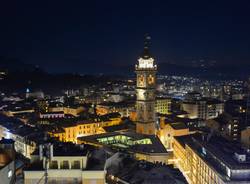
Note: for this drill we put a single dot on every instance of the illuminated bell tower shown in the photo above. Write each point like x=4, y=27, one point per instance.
x=145, y=91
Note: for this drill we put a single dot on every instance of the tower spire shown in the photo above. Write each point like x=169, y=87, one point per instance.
x=146, y=54
x=147, y=39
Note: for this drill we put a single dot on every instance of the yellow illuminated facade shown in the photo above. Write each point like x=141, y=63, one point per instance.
x=163, y=105
x=193, y=166
x=154, y=158
x=124, y=110
x=85, y=128
x=171, y=130
x=102, y=110
x=199, y=170
x=74, y=111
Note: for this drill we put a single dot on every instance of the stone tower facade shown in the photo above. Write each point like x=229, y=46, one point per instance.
x=145, y=90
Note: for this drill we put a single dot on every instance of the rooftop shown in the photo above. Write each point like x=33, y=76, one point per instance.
x=67, y=149
x=225, y=118
x=216, y=150
x=129, y=141
x=178, y=126
x=209, y=101
x=17, y=127
x=125, y=125
x=162, y=98
x=141, y=172
x=6, y=141
x=96, y=160
x=118, y=104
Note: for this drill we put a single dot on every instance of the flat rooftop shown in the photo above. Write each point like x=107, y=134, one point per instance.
x=129, y=141
x=67, y=149
x=178, y=126
x=217, y=150
x=218, y=146
x=118, y=104
x=125, y=125
x=142, y=172
x=209, y=101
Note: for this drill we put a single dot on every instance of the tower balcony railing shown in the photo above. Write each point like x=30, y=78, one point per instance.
x=154, y=67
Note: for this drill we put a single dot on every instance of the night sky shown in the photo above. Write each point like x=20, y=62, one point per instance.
x=75, y=36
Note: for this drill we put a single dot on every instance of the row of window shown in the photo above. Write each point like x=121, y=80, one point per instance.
x=65, y=164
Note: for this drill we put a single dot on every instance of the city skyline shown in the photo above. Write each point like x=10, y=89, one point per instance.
x=76, y=37
x=110, y=92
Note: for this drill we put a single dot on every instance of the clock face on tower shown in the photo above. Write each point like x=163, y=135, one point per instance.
x=141, y=80
x=151, y=79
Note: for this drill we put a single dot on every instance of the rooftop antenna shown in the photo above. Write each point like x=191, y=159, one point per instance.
x=45, y=154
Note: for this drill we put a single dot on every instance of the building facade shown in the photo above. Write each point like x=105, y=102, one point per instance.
x=67, y=164
x=206, y=160
x=163, y=105
x=226, y=125
x=23, y=144
x=124, y=108
x=170, y=131
x=245, y=137
x=7, y=161
x=203, y=108
x=70, y=132
x=74, y=111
